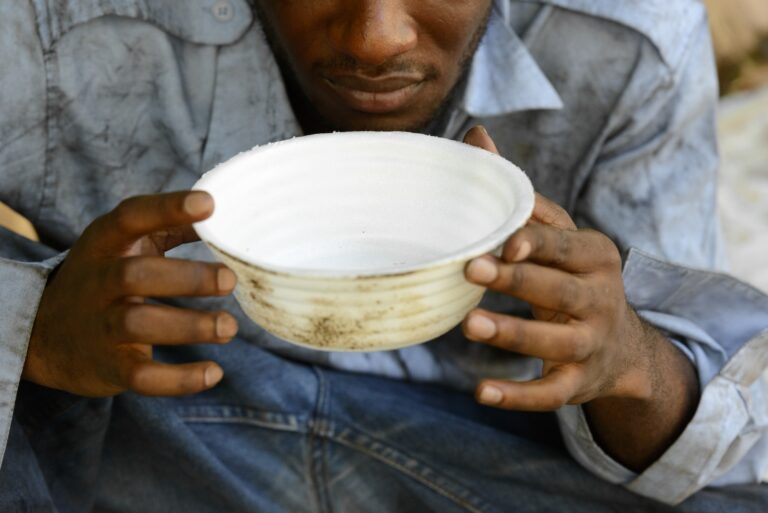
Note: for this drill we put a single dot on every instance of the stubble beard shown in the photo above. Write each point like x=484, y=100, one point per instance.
x=434, y=124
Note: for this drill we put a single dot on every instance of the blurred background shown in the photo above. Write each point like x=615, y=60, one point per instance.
x=740, y=33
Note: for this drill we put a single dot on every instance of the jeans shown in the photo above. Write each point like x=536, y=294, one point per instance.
x=282, y=436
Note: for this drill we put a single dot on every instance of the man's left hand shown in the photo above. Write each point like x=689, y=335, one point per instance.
x=639, y=390
x=589, y=338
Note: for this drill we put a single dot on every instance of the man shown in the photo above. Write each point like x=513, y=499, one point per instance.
x=609, y=109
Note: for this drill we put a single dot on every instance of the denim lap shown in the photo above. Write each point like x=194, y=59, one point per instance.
x=280, y=436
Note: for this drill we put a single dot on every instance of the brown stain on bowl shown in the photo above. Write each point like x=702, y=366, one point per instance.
x=327, y=326
x=262, y=302
x=259, y=285
x=332, y=331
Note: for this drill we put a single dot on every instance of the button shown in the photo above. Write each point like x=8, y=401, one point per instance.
x=223, y=11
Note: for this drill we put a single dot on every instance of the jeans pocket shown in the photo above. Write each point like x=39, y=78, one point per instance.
x=460, y=495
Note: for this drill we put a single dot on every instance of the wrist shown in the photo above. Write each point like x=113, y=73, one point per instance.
x=642, y=346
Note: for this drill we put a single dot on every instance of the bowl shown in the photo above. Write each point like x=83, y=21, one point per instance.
x=358, y=241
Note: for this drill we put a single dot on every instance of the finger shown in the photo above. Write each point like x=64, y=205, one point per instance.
x=165, y=325
x=478, y=136
x=169, y=277
x=549, y=393
x=144, y=376
x=540, y=286
x=144, y=215
x=171, y=238
x=545, y=340
x=548, y=212
x=572, y=251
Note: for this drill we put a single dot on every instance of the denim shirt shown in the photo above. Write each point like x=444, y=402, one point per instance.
x=608, y=106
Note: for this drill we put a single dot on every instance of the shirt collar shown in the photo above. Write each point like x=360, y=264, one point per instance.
x=504, y=76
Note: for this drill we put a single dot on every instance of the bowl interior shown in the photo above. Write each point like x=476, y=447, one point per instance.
x=363, y=203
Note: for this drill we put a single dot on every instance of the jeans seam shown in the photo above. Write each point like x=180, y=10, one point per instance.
x=227, y=414
x=242, y=421
x=316, y=447
x=415, y=469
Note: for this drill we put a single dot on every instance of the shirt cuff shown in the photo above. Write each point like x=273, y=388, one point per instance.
x=23, y=285
x=725, y=426
x=722, y=322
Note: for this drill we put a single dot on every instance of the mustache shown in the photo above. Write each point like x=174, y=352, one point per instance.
x=344, y=64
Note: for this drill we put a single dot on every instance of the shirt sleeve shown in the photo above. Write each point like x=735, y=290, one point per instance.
x=24, y=270
x=24, y=265
x=654, y=187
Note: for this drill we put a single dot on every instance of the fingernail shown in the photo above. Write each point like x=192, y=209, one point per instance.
x=226, y=326
x=490, y=395
x=482, y=270
x=197, y=204
x=226, y=280
x=213, y=375
x=523, y=252
x=483, y=130
x=481, y=327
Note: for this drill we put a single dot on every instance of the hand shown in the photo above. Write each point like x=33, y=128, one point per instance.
x=94, y=332
x=591, y=341
x=639, y=392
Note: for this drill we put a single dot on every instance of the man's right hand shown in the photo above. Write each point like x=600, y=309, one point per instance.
x=94, y=331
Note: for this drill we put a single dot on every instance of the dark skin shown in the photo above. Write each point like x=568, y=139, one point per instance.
x=374, y=65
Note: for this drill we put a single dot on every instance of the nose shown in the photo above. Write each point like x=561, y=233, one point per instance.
x=374, y=31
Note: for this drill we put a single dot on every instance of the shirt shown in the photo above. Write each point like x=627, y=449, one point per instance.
x=608, y=106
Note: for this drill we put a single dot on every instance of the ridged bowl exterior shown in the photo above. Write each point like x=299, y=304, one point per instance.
x=358, y=241
x=366, y=313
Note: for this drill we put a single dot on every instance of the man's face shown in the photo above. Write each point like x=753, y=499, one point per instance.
x=373, y=64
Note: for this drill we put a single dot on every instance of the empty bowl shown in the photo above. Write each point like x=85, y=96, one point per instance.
x=358, y=241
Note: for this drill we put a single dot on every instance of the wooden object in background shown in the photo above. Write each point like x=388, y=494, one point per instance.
x=13, y=221
x=740, y=33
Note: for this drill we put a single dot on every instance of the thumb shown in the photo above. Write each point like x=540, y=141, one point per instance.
x=478, y=136
x=139, y=216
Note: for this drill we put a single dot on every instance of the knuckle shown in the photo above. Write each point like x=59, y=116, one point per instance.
x=569, y=296
x=139, y=380
x=121, y=215
x=131, y=322
x=576, y=349
x=508, y=250
x=114, y=323
x=517, y=278
x=558, y=210
x=92, y=230
x=539, y=239
x=562, y=248
x=518, y=334
x=607, y=248
x=129, y=274
x=613, y=258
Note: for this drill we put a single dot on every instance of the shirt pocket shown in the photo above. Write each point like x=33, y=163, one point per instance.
x=129, y=88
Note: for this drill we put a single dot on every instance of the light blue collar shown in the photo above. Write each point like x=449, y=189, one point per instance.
x=504, y=76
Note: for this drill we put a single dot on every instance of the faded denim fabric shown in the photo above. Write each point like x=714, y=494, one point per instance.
x=287, y=437
x=609, y=107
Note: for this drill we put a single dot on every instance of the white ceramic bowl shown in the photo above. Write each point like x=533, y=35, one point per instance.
x=358, y=241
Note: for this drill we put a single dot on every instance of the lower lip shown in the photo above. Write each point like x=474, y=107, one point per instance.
x=376, y=103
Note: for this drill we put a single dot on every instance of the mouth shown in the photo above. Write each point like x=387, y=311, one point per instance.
x=381, y=95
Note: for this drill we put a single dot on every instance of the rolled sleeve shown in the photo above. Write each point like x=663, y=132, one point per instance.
x=723, y=323
x=23, y=285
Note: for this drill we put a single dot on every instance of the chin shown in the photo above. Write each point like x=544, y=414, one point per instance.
x=413, y=120
x=381, y=126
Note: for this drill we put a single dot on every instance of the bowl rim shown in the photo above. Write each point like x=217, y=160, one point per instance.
x=488, y=244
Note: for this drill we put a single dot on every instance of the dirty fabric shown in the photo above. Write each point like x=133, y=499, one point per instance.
x=608, y=106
